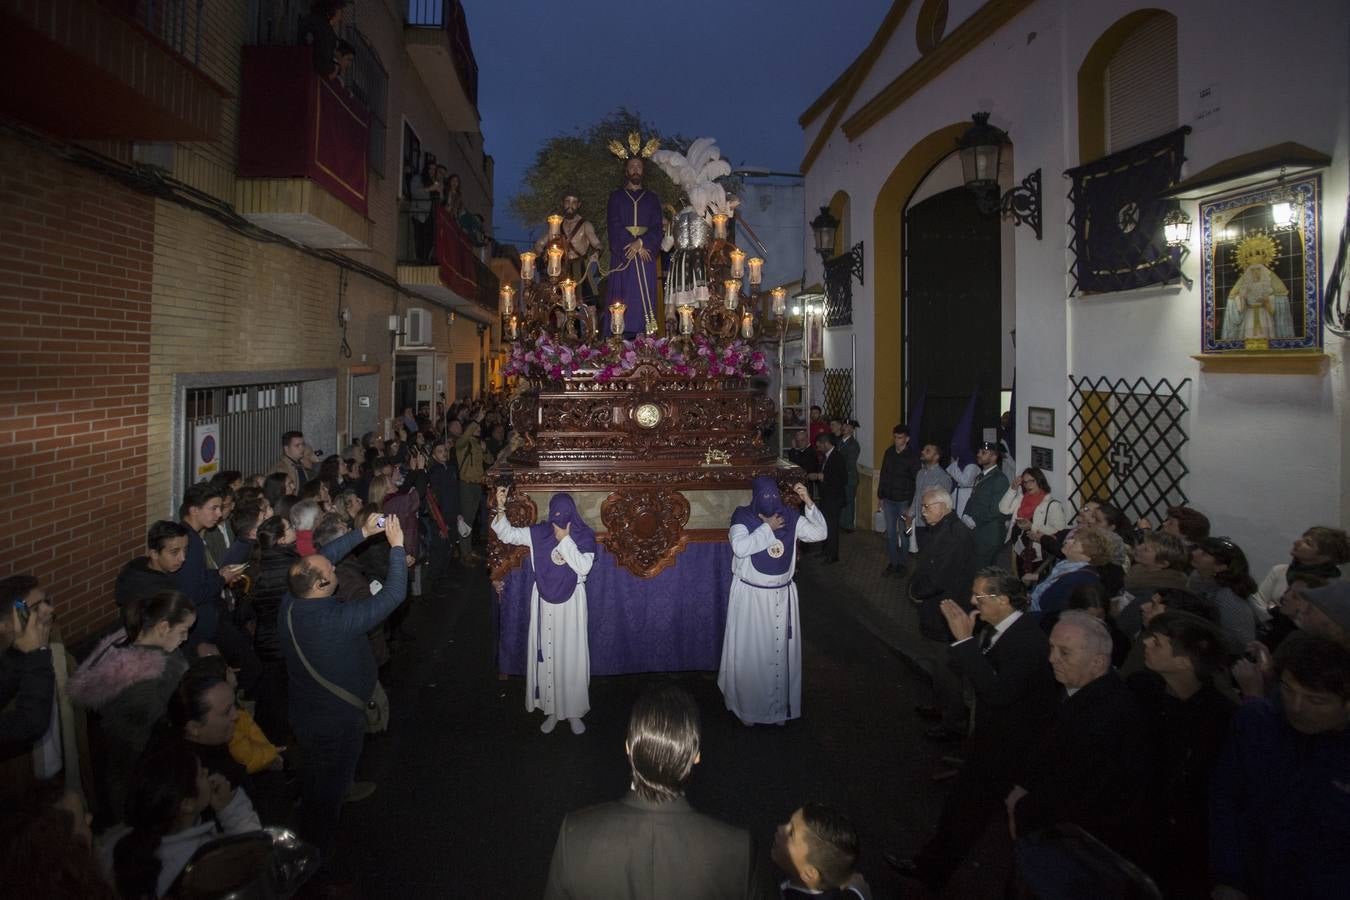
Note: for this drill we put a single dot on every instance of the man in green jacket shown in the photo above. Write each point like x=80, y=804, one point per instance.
x=981, y=513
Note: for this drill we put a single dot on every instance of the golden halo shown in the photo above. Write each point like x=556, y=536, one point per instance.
x=1257, y=248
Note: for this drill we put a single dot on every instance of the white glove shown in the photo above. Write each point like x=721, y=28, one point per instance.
x=463, y=527
x=970, y=523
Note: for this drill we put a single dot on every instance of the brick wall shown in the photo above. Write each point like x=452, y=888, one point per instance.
x=75, y=269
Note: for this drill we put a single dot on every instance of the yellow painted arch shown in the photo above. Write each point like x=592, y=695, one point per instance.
x=887, y=252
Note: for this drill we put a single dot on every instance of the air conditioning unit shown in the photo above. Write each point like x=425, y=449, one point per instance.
x=417, y=328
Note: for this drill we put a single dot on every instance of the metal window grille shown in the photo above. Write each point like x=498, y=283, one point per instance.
x=252, y=418
x=1116, y=217
x=370, y=83
x=178, y=23
x=838, y=393
x=1126, y=441
x=839, y=274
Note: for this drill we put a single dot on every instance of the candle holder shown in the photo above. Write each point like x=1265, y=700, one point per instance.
x=686, y=313
x=756, y=270
x=779, y=296
x=719, y=227
x=554, y=225
x=513, y=329
x=569, y=294
x=616, y=311
x=737, y=262
x=747, y=325
x=731, y=295
x=555, y=256
x=527, y=265
x=508, y=295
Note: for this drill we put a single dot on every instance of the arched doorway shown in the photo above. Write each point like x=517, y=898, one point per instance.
x=952, y=309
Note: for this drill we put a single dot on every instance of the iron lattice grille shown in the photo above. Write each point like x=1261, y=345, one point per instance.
x=839, y=274
x=251, y=417
x=1116, y=214
x=838, y=393
x=1126, y=442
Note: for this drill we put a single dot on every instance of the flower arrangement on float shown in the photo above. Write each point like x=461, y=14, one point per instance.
x=697, y=357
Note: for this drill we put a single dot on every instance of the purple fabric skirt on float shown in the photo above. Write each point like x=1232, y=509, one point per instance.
x=670, y=623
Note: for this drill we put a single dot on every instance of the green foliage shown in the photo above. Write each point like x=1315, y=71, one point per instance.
x=581, y=163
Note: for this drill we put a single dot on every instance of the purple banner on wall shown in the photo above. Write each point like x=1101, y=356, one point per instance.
x=670, y=623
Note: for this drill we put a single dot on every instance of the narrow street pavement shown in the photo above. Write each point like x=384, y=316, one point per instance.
x=471, y=794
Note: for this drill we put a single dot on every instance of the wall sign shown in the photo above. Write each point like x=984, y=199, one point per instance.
x=205, y=450
x=1043, y=458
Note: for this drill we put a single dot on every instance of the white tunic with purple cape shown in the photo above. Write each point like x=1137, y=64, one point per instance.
x=761, y=671
x=558, y=667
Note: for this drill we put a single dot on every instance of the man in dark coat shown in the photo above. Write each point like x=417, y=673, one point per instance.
x=943, y=571
x=652, y=845
x=895, y=490
x=833, y=480
x=1007, y=663
x=443, y=506
x=982, y=513
x=1091, y=767
x=166, y=549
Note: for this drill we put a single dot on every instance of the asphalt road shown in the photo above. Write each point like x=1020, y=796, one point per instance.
x=471, y=794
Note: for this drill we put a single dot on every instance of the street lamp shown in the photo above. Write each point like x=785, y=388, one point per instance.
x=981, y=150
x=824, y=227
x=1177, y=227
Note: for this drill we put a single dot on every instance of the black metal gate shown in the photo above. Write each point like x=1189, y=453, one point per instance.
x=252, y=418
x=1126, y=440
x=953, y=313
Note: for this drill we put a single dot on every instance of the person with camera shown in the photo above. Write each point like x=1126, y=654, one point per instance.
x=331, y=671
x=27, y=678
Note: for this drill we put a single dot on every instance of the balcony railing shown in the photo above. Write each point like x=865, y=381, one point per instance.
x=176, y=23
x=449, y=15
x=427, y=236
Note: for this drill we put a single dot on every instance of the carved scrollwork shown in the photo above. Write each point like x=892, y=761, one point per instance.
x=520, y=512
x=646, y=528
x=576, y=415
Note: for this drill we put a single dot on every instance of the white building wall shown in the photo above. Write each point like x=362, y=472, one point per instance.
x=1267, y=453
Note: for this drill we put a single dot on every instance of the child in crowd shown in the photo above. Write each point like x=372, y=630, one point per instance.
x=818, y=849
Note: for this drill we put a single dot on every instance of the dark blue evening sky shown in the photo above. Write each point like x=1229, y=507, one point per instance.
x=741, y=71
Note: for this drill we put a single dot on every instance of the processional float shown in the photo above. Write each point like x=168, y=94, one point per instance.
x=656, y=437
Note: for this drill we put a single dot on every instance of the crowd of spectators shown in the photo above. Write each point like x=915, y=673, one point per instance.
x=238, y=685
x=1130, y=704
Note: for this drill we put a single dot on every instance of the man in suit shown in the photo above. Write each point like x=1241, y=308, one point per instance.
x=849, y=447
x=833, y=484
x=944, y=570
x=982, y=513
x=1091, y=766
x=1007, y=663
x=652, y=845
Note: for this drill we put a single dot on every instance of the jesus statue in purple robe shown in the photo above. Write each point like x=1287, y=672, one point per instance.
x=635, y=235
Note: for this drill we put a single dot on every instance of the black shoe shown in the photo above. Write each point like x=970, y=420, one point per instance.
x=928, y=713
x=888, y=570
x=905, y=867
x=941, y=734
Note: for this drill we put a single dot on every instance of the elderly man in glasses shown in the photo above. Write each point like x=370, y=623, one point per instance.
x=945, y=568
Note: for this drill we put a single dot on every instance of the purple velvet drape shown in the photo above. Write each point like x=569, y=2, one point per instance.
x=670, y=623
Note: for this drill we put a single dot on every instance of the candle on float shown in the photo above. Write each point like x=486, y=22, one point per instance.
x=508, y=295
x=756, y=269
x=686, y=318
x=731, y=295
x=720, y=227
x=779, y=295
x=527, y=265
x=513, y=331
x=555, y=255
x=569, y=294
x=554, y=225
x=616, y=311
x=737, y=263
x=747, y=325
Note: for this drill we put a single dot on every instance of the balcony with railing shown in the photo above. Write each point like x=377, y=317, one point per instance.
x=437, y=37
x=109, y=69
x=439, y=260
x=304, y=141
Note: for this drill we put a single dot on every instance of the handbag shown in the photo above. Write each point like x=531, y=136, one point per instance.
x=376, y=708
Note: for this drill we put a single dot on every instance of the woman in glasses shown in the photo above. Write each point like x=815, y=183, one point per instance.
x=1034, y=514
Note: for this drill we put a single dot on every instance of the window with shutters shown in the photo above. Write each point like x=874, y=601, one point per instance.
x=1141, y=95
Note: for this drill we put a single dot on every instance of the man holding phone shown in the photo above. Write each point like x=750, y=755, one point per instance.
x=203, y=582
x=26, y=674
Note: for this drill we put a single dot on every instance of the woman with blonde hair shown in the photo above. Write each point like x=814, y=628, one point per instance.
x=1085, y=550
